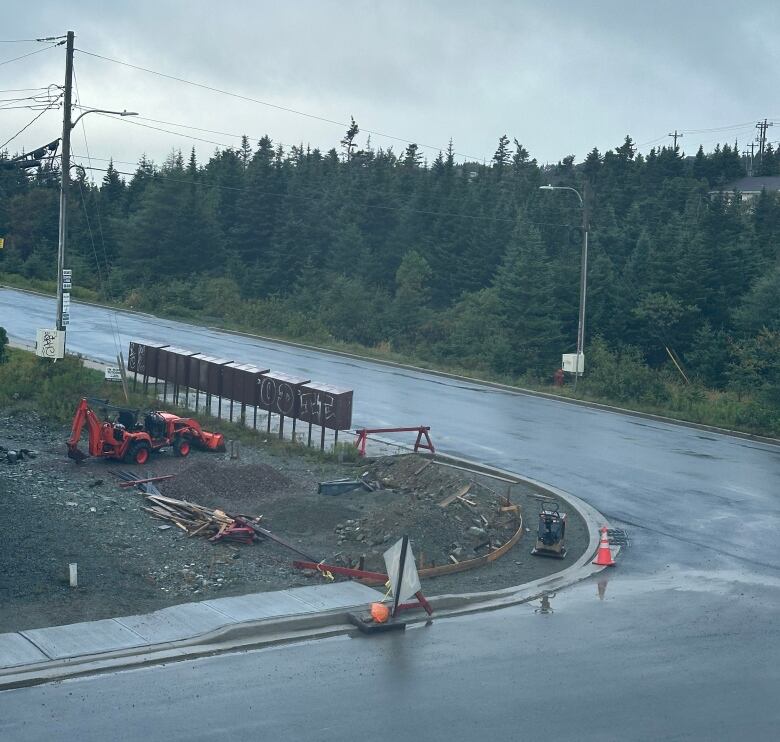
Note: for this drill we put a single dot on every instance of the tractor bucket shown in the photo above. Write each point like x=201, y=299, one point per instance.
x=213, y=441
x=75, y=454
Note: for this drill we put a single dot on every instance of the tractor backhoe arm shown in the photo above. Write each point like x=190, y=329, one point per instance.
x=84, y=416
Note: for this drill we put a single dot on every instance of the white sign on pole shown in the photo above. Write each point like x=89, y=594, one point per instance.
x=50, y=344
x=409, y=580
x=113, y=373
x=569, y=363
x=67, y=277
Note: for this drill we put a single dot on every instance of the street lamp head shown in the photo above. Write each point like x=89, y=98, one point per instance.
x=128, y=113
x=547, y=188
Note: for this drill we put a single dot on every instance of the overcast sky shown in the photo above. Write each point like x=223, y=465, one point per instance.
x=561, y=76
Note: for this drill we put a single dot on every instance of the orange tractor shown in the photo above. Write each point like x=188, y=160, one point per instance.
x=125, y=439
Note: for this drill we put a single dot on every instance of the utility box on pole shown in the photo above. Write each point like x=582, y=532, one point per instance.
x=570, y=365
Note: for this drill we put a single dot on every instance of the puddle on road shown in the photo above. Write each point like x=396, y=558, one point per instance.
x=695, y=454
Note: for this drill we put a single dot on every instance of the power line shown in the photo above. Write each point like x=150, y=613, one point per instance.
x=185, y=126
x=29, y=54
x=23, y=90
x=719, y=128
x=166, y=131
x=106, y=285
x=271, y=105
x=28, y=125
x=26, y=41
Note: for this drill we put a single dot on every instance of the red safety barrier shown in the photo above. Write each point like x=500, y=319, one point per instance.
x=422, y=432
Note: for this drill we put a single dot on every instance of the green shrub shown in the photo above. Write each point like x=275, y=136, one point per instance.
x=3, y=345
x=53, y=388
x=622, y=375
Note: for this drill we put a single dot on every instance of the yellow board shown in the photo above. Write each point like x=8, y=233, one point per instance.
x=2, y=242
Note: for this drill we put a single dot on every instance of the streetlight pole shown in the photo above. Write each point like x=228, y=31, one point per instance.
x=67, y=127
x=584, y=206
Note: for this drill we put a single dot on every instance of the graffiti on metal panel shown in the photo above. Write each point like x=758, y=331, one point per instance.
x=49, y=344
x=317, y=407
x=285, y=399
x=267, y=392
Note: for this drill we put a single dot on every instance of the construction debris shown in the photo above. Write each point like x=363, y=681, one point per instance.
x=459, y=495
x=197, y=520
x=340, y=486
x=12, y=457
x=193, y=519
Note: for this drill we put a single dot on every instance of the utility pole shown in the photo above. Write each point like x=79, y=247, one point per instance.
x=583, y=277
x=749, y=155
x=675, y=136
x=64, y=177
x=762, y=126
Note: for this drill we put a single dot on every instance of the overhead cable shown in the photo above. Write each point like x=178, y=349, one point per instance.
x=29, y=54
x=286, y=109
x=7, y=141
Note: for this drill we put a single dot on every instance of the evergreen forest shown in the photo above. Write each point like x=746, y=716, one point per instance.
x=459, y=265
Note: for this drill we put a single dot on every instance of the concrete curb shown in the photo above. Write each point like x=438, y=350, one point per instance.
x=444, y=374
x=268, y=632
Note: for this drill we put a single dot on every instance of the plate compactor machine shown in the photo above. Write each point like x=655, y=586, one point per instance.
x=550, y=540
x=125, y=439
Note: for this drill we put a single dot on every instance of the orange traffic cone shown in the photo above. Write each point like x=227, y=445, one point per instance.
x=604, y=555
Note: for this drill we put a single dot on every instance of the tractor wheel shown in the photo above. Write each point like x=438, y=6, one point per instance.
x=181, y=447
x=138, y=453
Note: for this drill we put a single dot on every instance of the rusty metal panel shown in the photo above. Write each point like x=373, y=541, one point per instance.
x=232, y=380
x=199, y=370
x=326, y=405
x=183, y=367
x=246, y=385
x=169, y=360
x=152, y=360
x=280, y=393
x=214, y=375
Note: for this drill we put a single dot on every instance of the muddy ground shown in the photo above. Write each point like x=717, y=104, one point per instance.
x=54, y=513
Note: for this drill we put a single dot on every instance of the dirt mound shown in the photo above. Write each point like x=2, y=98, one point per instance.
x=230, y=486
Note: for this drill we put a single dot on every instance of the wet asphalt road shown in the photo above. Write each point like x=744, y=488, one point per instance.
x=684, y=646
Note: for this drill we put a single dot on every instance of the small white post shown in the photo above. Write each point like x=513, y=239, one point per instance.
x=74, y=574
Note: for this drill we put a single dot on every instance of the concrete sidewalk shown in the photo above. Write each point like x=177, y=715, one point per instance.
x=24, y=650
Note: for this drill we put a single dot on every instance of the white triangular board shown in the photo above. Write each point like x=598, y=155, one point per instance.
x=410, y=582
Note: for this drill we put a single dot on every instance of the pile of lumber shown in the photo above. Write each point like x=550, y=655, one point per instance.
x=193, y=519
x=197, y=520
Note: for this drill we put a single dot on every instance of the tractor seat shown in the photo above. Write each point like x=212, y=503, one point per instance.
x=155, y=425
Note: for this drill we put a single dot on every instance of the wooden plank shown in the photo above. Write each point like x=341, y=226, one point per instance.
x=423, y=468
x=451, y=498
x=134, y=482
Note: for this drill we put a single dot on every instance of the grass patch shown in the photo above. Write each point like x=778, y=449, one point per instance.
x=55, y=389
x=47, y=287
